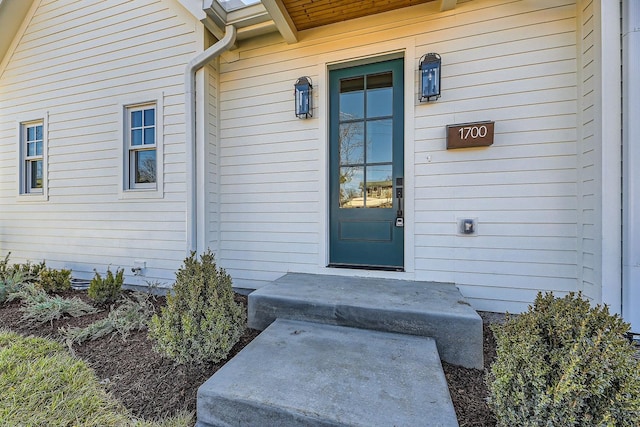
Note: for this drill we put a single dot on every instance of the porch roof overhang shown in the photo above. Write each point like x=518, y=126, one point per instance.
x=289, y=17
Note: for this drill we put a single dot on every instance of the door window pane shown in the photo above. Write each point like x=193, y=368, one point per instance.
x=379, y=141
x=351, y=99
x=351, y=187
x=379, y=95
x=351, y=143
x=366, y=141
x=379, y=187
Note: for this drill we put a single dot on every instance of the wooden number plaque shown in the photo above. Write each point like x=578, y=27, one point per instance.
x=466, y=135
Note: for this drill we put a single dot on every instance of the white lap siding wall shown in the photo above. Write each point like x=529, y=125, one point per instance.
x=263, y=179
x=78, y=62
x=511, y=62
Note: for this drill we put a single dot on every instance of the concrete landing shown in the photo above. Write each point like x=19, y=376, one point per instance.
x=428, y=309
x=305, y=374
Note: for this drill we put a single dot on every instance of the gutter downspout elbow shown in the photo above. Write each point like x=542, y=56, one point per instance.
x=195, y=64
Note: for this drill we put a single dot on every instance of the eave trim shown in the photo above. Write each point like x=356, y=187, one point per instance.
x=447, y=5
x=281, y=18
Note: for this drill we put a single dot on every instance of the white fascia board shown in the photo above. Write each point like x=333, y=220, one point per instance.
x=12, y=13
x=283, y=21
x=194, y=7
x=249, y=21
x=256, y=30
x=447, y=5
x=250, y=15
x=215, y=11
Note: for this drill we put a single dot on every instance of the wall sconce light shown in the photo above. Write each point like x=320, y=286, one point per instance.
x=430, y=76
x=304, y=96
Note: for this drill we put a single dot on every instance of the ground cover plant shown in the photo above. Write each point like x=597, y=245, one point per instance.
x=40, y=307
x=10, y=284
x=13, y=278
x=132, y=314
x=565, y=363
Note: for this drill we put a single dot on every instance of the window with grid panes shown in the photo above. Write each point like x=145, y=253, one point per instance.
x=141, y=146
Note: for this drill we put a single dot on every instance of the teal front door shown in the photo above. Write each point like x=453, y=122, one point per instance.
x=366, y=166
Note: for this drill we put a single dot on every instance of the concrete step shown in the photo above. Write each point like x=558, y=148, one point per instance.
x=307, y=374
x=428, y=309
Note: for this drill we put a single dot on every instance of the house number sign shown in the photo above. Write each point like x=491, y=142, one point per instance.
x=465, y=135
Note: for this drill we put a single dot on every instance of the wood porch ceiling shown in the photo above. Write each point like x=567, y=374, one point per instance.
x=307, y=14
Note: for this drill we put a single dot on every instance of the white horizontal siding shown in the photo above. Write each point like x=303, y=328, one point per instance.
x=511, y=62
x=535, y=143
x=78, y=61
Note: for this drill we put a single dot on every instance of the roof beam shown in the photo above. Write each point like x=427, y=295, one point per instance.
x=447, y=5
x=283, y=21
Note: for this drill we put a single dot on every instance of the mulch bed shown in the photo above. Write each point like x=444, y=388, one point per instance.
x=152, y=386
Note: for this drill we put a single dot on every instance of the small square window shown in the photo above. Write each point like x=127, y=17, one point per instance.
x=140, y=142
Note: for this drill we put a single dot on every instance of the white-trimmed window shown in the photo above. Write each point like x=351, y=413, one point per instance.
x=32, y=157
x=141, y=159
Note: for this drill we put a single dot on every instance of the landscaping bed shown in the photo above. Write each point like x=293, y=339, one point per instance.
x=152, y=386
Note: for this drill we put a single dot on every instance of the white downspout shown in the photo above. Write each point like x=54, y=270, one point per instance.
x=194, y=65
x=609, y=110
x=631, y=162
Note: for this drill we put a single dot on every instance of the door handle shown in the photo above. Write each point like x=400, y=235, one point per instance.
x=400, y=197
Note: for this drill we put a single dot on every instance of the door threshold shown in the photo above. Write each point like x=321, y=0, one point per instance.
x=367, y=267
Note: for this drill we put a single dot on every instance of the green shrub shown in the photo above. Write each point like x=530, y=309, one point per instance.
x=29, y=272
x=52, y=280
x=563, y=363
x=32, y=271
x=201, y=321
x=4, y=265
x=106, y=290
